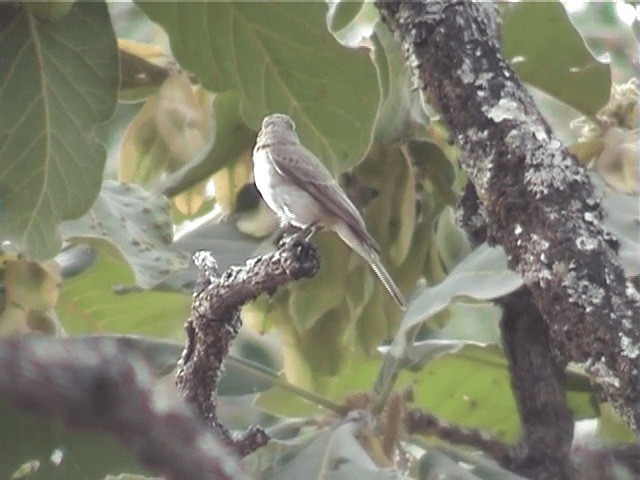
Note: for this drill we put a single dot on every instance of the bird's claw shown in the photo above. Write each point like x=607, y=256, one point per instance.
x=310, y=230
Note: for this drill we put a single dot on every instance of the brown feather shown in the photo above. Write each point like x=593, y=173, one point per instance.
x=309, y=174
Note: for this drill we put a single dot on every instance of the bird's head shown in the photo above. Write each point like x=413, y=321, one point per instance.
x=278, y=122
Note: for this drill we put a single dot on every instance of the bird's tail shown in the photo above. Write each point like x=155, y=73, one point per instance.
x=367, y=252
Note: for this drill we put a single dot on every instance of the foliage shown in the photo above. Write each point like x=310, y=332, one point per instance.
x=86, y=253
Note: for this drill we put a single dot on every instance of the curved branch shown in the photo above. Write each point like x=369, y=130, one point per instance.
x=103, y=384
x=215, y=321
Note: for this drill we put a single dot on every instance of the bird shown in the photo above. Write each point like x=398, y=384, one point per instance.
x=297, y=186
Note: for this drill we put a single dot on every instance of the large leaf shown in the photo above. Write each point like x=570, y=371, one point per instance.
x=88, y=304
x=468, y=383
x=435, y=464
x=453, y=383
x=547, y=52
x=134, y=226
x=280, y=57
x=483, y=275
x=400, y=103
x=59, y=81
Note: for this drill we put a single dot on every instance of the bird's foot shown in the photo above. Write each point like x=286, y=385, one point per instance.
x=310, y=230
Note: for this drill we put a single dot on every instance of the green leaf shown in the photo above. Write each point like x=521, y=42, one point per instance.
x=312, y=300
x=400, y=103
x=59, y=81
x=252, y=367
x=331, y=454
x=435, y=166
x=613, y=429
x=85, y=456
x=174, y=128
x=279, y=57
x=453, y=244
x=31, y=285
x=547, y=52
x=342, y=13
x=161, y=355
x=228, y=244
x=468, y=401
x=359, y=375
x=483, y=275
x=279, y=402
x=435, y=464
x=88, y=304
x=482, y=466
x=134, y=226
x=128, y=476
x=622, y=219
x=143, y=155
x=51, y=10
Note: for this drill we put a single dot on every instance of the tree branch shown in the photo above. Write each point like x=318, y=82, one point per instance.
x=539, y=202
x=215, y=321
x=424, y=423
x=538, y=385
x=103, y=384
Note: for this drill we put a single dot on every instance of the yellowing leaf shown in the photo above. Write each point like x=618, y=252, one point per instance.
x=190, y=201
x=230, y=180
x=184, y=118
x=32, y=285
x=141, y=73
x=143, y=154
x=173, y=128
x=404, y=212
x=149, y=51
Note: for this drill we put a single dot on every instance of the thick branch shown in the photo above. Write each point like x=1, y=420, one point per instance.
x=538, y=385
x=103, y=384
x=215, y=321
x=539, y=202
x=420, y=422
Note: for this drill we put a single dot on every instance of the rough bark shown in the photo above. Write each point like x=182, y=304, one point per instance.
x=538, y=385
x=102, y=384
x=539, y=203
x=215, y=320
x=113, y=387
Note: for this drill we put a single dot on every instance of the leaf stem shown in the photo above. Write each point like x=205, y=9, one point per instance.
x=264, y=373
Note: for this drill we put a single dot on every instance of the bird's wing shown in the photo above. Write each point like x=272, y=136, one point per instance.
x=302, y=167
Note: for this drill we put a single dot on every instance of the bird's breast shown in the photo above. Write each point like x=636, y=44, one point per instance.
x=290, y=202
